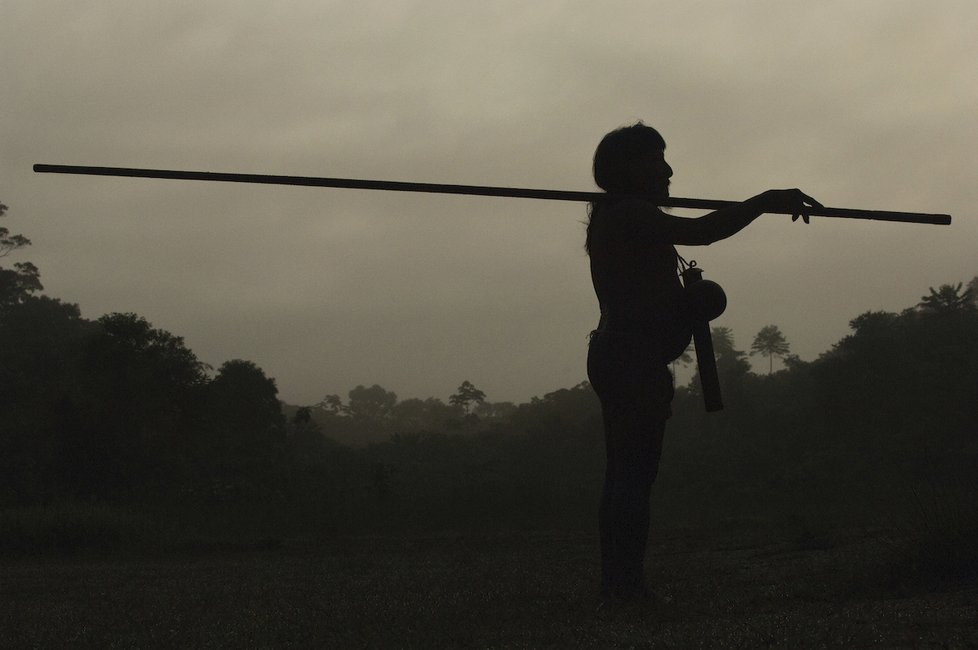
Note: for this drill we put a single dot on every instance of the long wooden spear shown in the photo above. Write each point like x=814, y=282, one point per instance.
x=476, y=190
x=704, y=346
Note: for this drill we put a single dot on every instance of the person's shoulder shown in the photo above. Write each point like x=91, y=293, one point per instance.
x=630, y=213
x=633, y=206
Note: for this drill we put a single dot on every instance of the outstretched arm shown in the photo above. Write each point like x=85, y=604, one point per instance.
x=730, y=220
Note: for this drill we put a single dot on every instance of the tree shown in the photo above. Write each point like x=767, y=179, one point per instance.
x=685, y=358
x=770, y=343
x=948, y=299
x=302, y=417
x=10, y=242
x=141, y=359
x=24, y=279
x=244, y=402
x=732, y=365
x=131, y=407
x=306, y=442
x=430, y=414
x=730, y=360
x=138, y=376
x=871, y=324
x=40, y=339
x=973, y=291
x=39, y=343
x=372, y=403
x=466, y=395
x=332, y=404
x=494, y=410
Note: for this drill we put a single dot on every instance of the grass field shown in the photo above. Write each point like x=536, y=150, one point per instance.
x=737, y=589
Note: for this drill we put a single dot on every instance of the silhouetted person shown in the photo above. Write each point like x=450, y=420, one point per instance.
x=634, y=268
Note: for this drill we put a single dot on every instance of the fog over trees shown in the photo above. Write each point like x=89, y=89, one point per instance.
x=118, y=411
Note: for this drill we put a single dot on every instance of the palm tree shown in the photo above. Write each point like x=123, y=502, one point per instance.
x=972, y=290
x=947, y=299
x=770, y=342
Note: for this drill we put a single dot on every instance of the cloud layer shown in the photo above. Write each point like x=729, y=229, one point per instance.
x=866, y=104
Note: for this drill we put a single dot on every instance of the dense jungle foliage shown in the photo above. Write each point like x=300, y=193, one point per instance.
x=115, y=411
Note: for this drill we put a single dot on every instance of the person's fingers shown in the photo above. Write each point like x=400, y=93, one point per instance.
x=809, y=200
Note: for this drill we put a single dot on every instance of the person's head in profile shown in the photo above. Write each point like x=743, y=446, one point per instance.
x=631, y=160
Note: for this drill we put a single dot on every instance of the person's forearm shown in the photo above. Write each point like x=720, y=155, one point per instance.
x=723, y=223
x=732, y=219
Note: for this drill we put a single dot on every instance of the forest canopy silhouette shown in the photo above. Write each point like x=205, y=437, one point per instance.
x=114, y=410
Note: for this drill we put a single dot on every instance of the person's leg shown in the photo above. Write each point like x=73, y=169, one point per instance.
x=634, y=440
x=635, y=395
x=606, y=527
x=603, y=364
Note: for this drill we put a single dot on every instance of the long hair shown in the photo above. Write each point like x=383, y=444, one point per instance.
x=615, y=157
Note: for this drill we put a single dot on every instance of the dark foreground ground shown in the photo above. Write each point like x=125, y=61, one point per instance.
x=730, y=590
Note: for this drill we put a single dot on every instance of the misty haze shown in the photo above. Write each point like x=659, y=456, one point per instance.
x=246, y=415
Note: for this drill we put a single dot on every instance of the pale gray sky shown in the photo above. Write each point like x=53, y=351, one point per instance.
x=868, y=104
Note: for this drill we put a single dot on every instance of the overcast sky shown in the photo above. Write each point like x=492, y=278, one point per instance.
x=869, y=104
